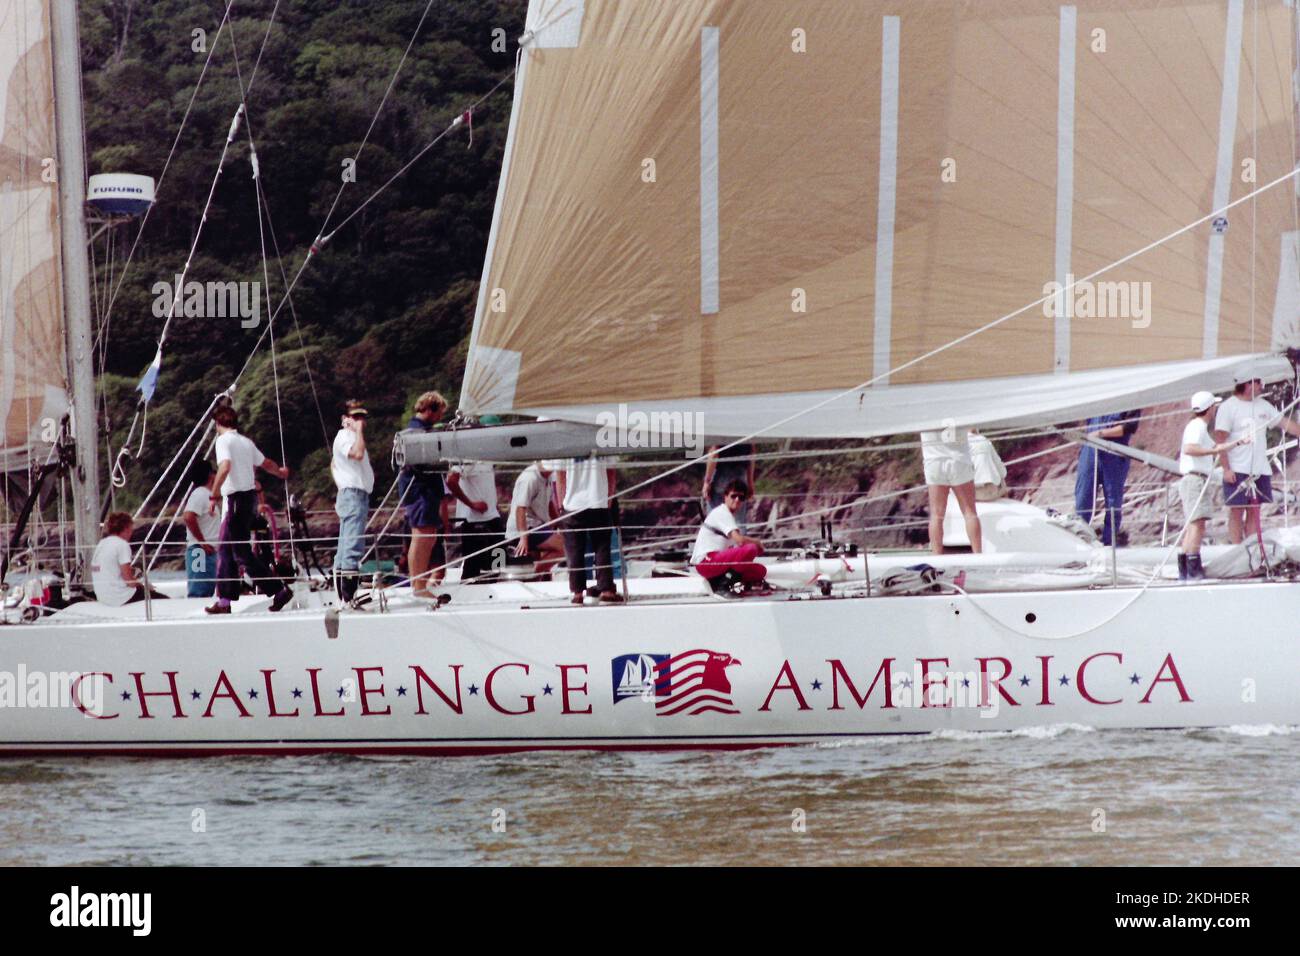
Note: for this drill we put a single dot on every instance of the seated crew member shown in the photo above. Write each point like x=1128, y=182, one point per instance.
x=532, y=504
x=720, y=547
x=111, y=573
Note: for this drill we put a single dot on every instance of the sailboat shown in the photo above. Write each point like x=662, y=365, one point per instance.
x=818, y=220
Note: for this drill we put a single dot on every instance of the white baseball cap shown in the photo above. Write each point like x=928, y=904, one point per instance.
x=1203, y=400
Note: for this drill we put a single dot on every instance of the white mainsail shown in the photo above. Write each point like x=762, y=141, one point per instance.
x=748, y=209
x=33, y=372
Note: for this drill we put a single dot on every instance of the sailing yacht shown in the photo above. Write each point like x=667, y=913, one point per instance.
x=813, y=220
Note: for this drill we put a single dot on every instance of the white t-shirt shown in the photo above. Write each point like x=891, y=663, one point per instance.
x=244, y=459
x=478, y=482
x=1197, y=432
x=713, y=533
x=935, y=449
x=199, y=501
x=106, y=571
x=533, y=493
x=350, y=472
x=586, y=484
x=1239, y=418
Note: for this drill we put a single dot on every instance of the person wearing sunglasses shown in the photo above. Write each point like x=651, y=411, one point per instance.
x=723, y=555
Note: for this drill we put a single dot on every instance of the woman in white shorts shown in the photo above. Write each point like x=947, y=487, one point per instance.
x=1196, y=463
x=948, y=467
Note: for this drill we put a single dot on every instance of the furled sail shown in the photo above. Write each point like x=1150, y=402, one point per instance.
x=746, y=208
x=33, y=373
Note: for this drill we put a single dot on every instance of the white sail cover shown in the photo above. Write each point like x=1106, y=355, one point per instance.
x=744, y=209
x=33, y=373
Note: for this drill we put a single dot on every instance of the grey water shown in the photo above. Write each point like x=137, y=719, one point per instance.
x=1046, y=796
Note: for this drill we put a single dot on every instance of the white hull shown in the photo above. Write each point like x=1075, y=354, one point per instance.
x=792, y=671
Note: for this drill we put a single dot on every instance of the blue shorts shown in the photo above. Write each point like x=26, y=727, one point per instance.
x=1248, y=490
x=422, y=500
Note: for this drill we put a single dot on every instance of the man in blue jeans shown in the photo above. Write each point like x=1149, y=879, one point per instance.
x=202, y=533
x=1107, y=469
x=355, y=479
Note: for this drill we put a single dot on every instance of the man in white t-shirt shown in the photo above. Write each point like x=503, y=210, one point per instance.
x=202, y=533
x=948, y=466
x=237, y=462
x=1247, y=476
x=531, y=505
x=723, y=554
x=111, y=573
x=474, y=486
x=355, y=480
x=1196, y=464
x=586, y=485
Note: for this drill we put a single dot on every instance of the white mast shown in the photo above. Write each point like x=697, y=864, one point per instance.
x=71, y=167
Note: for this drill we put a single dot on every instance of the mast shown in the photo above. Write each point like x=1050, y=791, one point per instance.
x=64, y=42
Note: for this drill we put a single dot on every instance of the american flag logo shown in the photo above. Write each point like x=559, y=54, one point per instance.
x=694, y=682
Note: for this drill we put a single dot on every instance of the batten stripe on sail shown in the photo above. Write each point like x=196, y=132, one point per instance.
x=885, y=208
x=709, y=171
x=1065, y=179
x=471, y=386
x=1223, y=175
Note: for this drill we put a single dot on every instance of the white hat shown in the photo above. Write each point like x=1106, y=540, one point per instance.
x=1242, y=376
x=1203, y=400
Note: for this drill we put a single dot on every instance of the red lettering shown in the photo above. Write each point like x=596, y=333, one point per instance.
x=1173, y=677
x=565, y=688
x=314, y=673
x=229, y=694
x=1078, y=678
x=491, y=698
x=926, y=683
x=1047, y=682
x=996, y=682
x=75, y=691
x=141, y=694
x=791, y=685
x=363, y=690
x=270, y=697
x=838, y=672
x=422, y=678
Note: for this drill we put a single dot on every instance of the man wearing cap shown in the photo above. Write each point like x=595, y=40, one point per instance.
x=355, y=480
x=1247, y=481
x=1196, y=463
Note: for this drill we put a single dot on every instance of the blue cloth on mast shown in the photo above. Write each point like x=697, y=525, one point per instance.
x=1107, y=469
x=150, y=380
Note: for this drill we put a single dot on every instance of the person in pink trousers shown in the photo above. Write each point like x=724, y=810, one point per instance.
x=722, y=553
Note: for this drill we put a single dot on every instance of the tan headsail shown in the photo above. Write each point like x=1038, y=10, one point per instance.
x=33, y=374
x=745, y=207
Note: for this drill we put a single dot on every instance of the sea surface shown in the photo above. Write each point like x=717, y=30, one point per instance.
x=1053, y=795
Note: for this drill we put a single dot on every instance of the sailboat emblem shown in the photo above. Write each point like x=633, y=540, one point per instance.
x=634, y=675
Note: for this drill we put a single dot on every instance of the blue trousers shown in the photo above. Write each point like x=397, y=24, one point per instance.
x=200, y=572
x=353, y=508
x=1113, y=474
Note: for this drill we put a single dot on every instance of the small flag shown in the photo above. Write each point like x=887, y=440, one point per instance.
x=150, y=380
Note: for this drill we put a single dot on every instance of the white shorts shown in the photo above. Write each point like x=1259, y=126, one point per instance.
x=949, y=471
